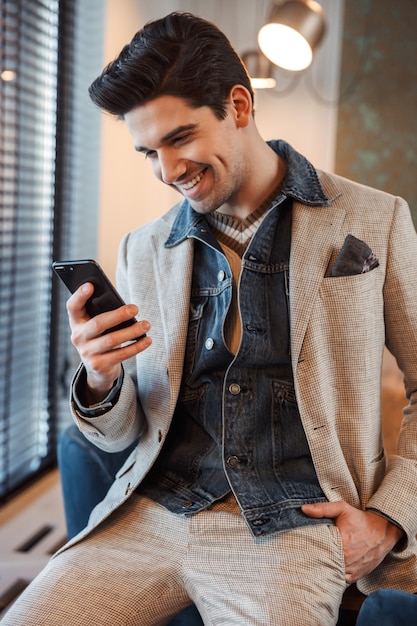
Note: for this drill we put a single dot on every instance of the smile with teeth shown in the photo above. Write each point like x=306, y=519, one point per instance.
x=192, y=182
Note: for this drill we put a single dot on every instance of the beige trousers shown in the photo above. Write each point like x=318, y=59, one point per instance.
x=144, y=564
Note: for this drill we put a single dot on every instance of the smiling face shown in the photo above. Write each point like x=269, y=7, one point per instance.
x=194, y=151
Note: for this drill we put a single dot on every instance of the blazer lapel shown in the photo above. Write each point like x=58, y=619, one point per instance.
x=314, y=231
x=173, y=274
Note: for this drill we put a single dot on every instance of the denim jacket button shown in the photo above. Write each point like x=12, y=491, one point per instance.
x=234, y=389
x=187, y=504
x=233, y=461
x=209, y=343
x=221, y=276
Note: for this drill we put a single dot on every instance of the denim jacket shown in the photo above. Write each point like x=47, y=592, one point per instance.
x=237, y=425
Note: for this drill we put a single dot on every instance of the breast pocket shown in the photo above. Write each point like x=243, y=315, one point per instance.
x=352, y=300
x=346, y=328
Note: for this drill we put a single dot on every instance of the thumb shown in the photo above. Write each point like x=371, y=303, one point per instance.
x=324, y=509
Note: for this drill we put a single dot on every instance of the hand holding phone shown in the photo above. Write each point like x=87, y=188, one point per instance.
x=105, y=297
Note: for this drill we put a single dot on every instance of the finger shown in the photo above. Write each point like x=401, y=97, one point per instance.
x=107, y=323
x=324, y=509
x=129, y=350
x=115, y=339
x=76, y=303
x=102, y=356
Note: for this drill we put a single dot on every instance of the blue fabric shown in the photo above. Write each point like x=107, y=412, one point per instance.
x=248, y=434
x=388, y=607
x=86, y=474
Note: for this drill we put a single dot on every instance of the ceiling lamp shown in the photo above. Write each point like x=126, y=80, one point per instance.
x=259, y=69
x=293, y=30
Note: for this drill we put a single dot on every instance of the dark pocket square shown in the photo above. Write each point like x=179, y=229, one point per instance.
x=355, y=257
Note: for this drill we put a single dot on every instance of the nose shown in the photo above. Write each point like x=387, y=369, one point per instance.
x=171, y=167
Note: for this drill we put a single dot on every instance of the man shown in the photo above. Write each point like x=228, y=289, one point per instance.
x=259, y=488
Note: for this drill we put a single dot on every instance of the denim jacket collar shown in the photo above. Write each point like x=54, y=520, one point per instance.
x=301, y=183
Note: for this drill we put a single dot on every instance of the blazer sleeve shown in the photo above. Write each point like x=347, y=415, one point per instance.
x=117, y=428
x=397, y=495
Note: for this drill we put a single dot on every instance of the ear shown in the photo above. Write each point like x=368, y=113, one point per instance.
x=242, y=106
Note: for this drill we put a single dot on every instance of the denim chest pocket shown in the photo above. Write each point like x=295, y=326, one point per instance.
x=196, y=308
x=206, y=350
x=196, y=312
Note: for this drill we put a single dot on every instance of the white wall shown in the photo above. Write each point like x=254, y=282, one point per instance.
x=130, y=196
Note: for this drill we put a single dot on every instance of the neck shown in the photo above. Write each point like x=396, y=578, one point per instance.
x=261, y=189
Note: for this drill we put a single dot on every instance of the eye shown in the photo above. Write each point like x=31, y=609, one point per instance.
x=179, y=139
x=150, y=154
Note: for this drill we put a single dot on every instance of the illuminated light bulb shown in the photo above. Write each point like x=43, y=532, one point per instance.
x=293, y=30
x=7, y=75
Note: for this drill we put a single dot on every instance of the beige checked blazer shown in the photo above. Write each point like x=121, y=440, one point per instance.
x=338, y=330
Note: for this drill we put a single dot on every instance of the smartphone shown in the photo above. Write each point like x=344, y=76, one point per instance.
x=105, y=297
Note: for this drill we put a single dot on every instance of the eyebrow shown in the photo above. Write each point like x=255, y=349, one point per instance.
x=171, y=135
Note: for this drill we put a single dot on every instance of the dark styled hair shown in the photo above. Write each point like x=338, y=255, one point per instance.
x=179, y=55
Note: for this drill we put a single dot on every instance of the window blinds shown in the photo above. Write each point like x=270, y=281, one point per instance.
x=42, y=119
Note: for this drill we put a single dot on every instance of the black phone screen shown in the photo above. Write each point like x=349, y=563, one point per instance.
x=105, y=297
